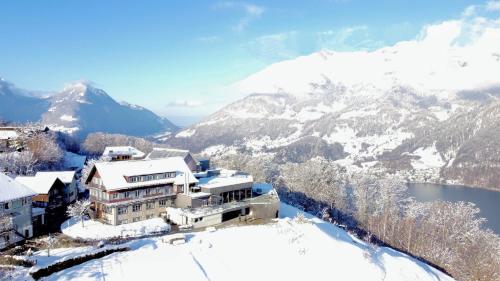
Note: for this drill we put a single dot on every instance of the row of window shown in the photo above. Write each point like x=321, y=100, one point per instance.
x=152, y=177
x=136, y=219
x=138, y=207
x=101, y=195
x=8, y=205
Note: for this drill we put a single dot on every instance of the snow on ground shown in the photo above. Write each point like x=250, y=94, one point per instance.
x=285, y=250
x=186, y=133
x=377, y=144
x=97, y=230
x=63, y=129
x=68, y=118
x=43, y=260
x=429, y=158
x=219, y=150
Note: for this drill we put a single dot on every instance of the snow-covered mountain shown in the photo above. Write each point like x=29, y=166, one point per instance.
x=80, y=109
x=427, y=108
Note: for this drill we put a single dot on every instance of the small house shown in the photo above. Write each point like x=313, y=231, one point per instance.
x=15, y=211
x=119, y=153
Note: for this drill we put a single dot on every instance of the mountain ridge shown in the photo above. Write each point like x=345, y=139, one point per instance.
x=79, y=109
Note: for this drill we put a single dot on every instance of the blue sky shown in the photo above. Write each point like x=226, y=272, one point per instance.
x=176, y=57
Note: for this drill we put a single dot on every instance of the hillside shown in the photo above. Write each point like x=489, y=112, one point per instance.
x=288, y=249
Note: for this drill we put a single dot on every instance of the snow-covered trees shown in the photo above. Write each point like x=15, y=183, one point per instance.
x=79, y=210
x=45, y=148
x=447, y=234
x=19, y=163
x=38, y=151
x=95, y=143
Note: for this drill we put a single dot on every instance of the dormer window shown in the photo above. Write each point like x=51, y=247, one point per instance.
x=158, y=176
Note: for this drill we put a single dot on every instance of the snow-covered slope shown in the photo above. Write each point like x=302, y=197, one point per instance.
x=81, y=109
x=411, y=107
x=451, y=56
x=285, y=250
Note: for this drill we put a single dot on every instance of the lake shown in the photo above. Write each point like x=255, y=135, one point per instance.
x=486, y=200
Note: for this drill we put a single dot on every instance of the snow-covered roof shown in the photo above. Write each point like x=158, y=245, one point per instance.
x=8, y=134
x=160, y=152
x=11, y=189
x=40, y=184
x=64, y=176
x=113, y=173
x=73, y=160
x=225, y=179
x=110, y=151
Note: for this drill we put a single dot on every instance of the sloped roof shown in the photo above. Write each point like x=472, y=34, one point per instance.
x=113, y=173
x=64, y=176
x=40, y=184
x=7, y=134
x=11, y=189
x=159, y=152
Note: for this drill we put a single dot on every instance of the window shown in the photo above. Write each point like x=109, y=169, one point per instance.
x=148, y=191
x=136, y=208
x=114, y=196
x=150, y=205
x=108, y=210
x=6, y=206
x=122, y=210
x=122, y=221
x=198, y=219
x=136, y=219
x=137, y=193
x=162, y=202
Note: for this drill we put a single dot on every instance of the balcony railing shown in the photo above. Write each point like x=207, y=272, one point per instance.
x=143, y=197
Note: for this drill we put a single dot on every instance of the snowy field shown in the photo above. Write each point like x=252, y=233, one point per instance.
x=97, y=230
x=286, y=250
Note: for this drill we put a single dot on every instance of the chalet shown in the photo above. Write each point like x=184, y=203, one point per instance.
x=159, y=153
x=15, y=211
x=69, y=180
x=128, y=191
x=49, y=201
x=119, y=153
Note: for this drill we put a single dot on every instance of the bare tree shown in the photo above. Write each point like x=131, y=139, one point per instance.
x=79, y=210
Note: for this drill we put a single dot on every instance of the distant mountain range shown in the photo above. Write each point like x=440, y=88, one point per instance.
x=78, y=110
x=428, y=117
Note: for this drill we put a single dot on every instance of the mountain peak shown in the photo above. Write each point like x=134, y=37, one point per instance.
x=80, y=86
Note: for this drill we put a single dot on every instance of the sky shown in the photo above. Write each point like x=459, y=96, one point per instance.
x=178, y=58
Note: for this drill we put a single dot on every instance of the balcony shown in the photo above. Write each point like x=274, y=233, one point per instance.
x=131, y=199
